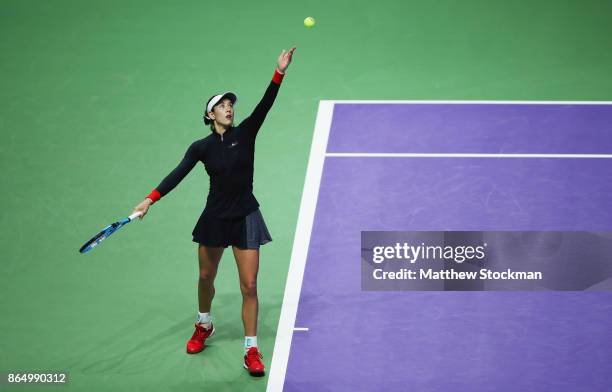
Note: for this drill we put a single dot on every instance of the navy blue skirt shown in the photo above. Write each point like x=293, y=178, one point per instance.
x=249, y=232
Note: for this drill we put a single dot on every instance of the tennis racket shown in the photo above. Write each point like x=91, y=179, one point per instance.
x=106, y=232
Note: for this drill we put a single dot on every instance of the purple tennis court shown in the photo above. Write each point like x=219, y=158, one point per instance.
x=427, y=166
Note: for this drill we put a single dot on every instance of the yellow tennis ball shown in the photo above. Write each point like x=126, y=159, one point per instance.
x=309, y=22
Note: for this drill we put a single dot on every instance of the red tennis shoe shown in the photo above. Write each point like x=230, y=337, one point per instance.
x=196, y=343
x=252, y=362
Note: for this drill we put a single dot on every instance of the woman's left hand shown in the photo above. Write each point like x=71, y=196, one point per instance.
x=285, y=59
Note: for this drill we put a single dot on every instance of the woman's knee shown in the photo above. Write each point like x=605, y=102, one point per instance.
x=249, y=288
x=207, y=274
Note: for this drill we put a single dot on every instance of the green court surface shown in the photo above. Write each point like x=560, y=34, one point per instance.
x=100, y=100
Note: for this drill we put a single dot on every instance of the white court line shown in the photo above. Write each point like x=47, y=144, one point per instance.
x=293, y=287
x=464, y=102
x=300, y=329
x=460, y=155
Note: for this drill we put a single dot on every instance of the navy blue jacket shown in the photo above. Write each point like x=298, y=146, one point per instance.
x=228, y=160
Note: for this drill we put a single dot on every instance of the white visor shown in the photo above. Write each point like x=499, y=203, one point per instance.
x=217, y=98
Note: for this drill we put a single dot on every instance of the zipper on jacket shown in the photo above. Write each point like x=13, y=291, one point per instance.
x=223, y=152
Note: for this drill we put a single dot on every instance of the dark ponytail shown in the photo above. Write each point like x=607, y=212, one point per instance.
x=208, y=121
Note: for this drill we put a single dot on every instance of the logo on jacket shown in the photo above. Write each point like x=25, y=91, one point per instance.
x=233, y=144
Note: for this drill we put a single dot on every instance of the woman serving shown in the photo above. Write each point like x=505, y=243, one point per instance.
x=231, y=216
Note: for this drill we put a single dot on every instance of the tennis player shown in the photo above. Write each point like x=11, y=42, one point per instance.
x=231, y=216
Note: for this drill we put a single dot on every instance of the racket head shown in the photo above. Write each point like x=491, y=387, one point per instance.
x=102, y=235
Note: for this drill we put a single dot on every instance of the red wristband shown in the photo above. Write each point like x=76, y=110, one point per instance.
x=154, y=195
x=278, y=77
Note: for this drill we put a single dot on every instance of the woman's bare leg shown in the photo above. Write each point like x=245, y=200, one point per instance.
x=247, y=261
x=209, y=259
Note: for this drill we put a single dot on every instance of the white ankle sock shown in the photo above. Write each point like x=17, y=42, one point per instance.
x=205, y=319
x=249, y=341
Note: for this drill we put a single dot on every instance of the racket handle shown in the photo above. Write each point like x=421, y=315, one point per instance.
x=134, y=215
